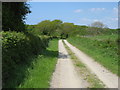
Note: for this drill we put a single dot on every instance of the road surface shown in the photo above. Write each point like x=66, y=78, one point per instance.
x=65, y=75
x=108, y=78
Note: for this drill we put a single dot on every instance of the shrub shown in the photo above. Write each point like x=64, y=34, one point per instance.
x=17, y=48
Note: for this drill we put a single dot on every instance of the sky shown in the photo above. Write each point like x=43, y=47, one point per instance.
x=79, y=13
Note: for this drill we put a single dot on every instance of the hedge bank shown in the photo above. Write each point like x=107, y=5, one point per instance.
x=17, y=47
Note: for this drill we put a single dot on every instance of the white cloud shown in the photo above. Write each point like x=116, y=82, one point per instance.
x=109, y=21
x=95, y=20
x=114, y=19
x=115, y=10
x=97, y=9
x=78, y=10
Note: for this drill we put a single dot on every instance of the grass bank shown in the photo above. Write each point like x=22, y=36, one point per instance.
x=104, y=49
x=40, y=72
x=91, y=78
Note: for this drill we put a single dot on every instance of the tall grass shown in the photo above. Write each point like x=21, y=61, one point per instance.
x=103, y=49
x=40, y=72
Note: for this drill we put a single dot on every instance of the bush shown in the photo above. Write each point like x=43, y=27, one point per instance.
x=17, y=48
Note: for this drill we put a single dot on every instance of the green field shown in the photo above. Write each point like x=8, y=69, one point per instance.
x=40, y=72
x=103, y=48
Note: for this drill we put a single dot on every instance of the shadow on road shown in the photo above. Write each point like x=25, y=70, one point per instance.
x=62, y=55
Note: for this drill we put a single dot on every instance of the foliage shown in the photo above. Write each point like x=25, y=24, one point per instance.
x=16, y=49
x=54, y=29
x=13, y=15
x=98, y=24
x=50, y=28
x=79, y=31
x=58, y=29
x=67, y=29
x=42, y=68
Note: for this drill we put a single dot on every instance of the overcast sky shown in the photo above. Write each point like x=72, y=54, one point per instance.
x=79, y=13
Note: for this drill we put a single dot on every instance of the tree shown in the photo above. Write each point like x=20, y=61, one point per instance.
x=98, y=24
x=67, y=29
x=50, y=28
x=13, y=15
x=44, y=27
x=56, y=27
x=80, y=30
x=96, y=28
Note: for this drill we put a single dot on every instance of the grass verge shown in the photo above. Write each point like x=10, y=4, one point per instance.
x=40, y=72
x=103, y=50
x=84, y=72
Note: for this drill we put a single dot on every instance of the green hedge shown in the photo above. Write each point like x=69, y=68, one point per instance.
x=17, y=47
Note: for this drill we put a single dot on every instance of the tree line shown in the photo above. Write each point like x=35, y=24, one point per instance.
x=60, y=29
x=14, y=14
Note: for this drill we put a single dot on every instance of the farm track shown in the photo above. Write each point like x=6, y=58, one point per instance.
x=108, y=78
x=65, y=75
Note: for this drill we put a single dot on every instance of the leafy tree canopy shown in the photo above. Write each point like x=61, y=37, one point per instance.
x=13, y=15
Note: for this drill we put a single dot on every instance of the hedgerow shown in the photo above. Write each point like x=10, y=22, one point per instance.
x=17, y=47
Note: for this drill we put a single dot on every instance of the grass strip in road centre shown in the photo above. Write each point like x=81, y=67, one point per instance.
x=84, y=72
